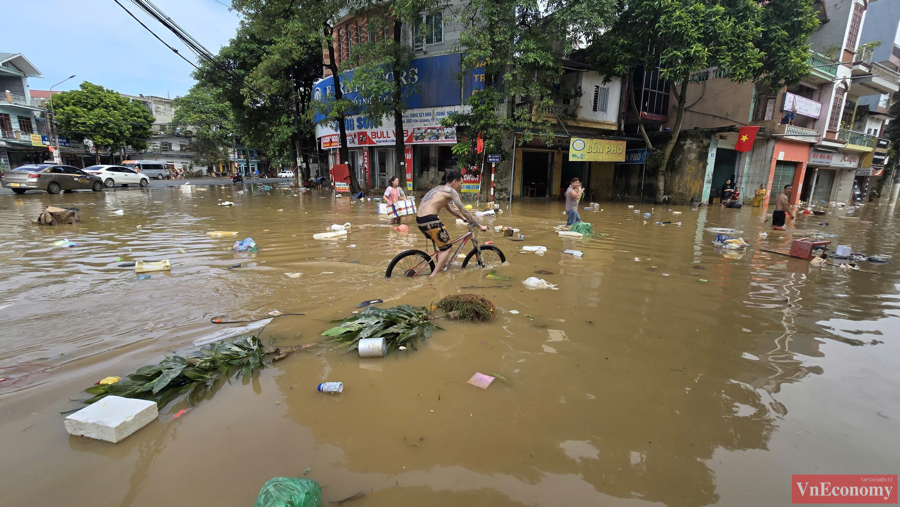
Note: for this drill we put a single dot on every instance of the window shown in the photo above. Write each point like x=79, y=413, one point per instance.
x=183, y=146
x=25, y=125
x=837, y=107
x=350, y=30
x=854, y=26
x=869, y=131
x=5, y=125
x=601, y=97
x=359, y=34
x=164, y=146
x=430, y=31
x=875, y=132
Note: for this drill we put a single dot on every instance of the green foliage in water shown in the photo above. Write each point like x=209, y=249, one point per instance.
x=582, y=227
x=177, y=375
x=469, y=307
x=400, y=325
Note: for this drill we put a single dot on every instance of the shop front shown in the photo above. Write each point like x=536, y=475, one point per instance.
x=827, y=176
x=788, y=167
x=546, y=171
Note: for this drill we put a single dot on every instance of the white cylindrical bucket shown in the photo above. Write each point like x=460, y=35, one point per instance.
x=372, y=347
x=331, y=387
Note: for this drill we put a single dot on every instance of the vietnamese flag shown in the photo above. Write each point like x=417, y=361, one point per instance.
x=479, y=145
x=746, y=136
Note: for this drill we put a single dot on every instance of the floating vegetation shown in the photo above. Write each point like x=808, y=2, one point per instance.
x=399, y=326
x=470, y=307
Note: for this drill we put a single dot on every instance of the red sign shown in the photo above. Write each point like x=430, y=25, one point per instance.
x=384, y=137
x=471, y=182
x=365, y=163
x=408, y=155
x=844, y=489
x=340, y=173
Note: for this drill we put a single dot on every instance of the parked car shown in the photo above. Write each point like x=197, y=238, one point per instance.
x=286, y=174
x=117, y=175
x=50, y=177
x=149, y=168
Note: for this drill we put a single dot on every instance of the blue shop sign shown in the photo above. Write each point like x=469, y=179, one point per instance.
x=635, y=157
x=63, y=142
x=429, y=82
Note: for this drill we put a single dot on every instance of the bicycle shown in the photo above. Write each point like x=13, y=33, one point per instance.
x=413, y=262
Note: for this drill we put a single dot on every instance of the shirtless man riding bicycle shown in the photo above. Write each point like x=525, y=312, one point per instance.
x=430, y=224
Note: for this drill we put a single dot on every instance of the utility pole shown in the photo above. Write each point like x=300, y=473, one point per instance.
x=57, y=158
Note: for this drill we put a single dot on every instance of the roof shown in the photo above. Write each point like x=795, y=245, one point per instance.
x=20, y=62
x=43, y=94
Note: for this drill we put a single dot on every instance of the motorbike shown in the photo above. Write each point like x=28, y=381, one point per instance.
x=237, y=178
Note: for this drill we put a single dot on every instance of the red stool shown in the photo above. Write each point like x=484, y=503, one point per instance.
x=803, y=248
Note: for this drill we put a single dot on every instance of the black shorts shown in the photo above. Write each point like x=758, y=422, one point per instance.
x=778, y=217
x=433, y=229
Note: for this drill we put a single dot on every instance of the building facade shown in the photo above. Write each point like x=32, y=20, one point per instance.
x=586, y=106
x=20, y=122
x=818, y=135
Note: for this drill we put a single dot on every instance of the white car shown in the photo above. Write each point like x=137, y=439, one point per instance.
x=117, y=175
x=286, y=174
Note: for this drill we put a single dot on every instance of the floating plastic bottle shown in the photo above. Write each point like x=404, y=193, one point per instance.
x=248, y=245
x=331, y=387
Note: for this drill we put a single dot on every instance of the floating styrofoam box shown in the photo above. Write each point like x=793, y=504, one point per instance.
x=111, y=419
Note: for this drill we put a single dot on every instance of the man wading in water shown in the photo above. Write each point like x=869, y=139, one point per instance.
x=782, y=208
x=430, y=224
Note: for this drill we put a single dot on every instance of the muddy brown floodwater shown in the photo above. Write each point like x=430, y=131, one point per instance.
x=642, y=380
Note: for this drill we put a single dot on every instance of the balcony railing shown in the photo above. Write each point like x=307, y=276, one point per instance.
x=856, y=138
x=12, y=98
x=885, y=73
x=822, y=64
x=863, y=55
x=7, y=134
x=798, y=133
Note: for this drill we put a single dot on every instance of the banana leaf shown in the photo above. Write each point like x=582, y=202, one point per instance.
x=400, y=325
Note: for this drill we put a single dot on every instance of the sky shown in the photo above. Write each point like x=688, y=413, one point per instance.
x=99, y=42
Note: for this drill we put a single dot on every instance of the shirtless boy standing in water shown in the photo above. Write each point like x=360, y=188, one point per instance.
x=782, y=209
x=430, y=224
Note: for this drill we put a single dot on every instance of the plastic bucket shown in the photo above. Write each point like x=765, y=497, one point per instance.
x=331, y=387
x=372, y=347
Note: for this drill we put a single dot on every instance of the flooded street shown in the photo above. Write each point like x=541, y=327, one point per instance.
x=643, y=380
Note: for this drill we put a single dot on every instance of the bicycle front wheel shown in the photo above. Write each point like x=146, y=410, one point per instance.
x=491, y=255
x=410, y=263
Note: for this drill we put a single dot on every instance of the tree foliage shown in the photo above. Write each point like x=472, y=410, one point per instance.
x=211, y=122
x=764, y=41
x=313, y=21
x=102, y=116
x=514, y=51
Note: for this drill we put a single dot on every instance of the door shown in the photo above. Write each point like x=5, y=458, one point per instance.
x=784, y=175
x=536, y=167
x=129, y=176
x=723, y=170
x=76, y=178
x=382, y=165
x=822, y=192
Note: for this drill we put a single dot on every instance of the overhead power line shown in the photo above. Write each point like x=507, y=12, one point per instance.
x=157, y=36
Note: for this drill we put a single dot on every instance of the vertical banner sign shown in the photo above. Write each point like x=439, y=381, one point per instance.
x=365, y=164
x=471, y=182
x=408, y=155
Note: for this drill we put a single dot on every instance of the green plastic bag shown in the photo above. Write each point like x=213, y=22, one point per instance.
x=582, y=227
x=289, y=492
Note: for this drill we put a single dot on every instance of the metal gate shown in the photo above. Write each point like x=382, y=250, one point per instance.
x=784, y=175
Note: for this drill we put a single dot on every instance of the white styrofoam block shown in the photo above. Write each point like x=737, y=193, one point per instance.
x=112, y=419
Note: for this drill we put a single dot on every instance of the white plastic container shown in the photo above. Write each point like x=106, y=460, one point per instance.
x=843, y=252
x=330, y=235
x=372, y=347
x=570, y=234
x=331, y=387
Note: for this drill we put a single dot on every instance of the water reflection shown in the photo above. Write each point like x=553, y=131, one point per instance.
x=623, y=383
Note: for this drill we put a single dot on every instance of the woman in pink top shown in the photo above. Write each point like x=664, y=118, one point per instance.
x=393, y=194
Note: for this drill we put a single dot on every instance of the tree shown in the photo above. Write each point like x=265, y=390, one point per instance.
x=380, y=63
x=211, y=121
x=104, y=117
x=272, y=19
x=763, y=41
x=517, y=49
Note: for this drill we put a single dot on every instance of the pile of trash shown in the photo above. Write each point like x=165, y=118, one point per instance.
x=729, y=243
x=57, y=216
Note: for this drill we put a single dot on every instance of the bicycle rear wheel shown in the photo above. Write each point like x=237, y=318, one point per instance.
x=491, y=255
x=410, y=263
